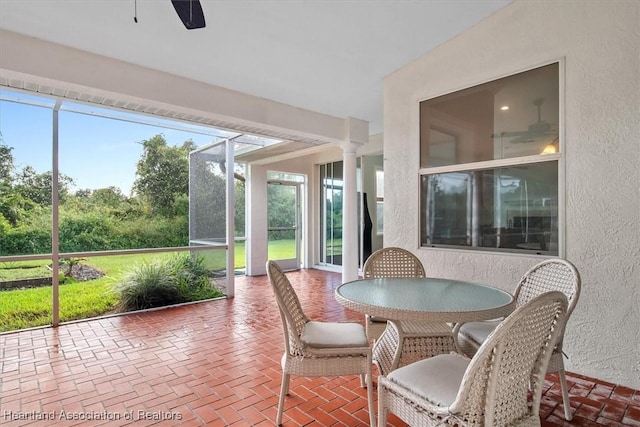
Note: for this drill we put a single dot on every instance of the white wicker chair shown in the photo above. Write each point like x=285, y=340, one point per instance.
x=415, y=340
x=318, y=349
x=548, y=275
x=493, y=388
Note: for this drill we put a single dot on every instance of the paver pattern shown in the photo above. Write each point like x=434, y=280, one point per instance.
x=216, y=363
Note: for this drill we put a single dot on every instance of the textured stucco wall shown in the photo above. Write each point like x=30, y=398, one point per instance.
x=599, y=44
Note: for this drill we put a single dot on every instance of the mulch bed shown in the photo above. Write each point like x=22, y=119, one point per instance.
x=79, y=272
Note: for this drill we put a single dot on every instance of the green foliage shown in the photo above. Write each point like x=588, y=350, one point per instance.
x=101, y=219
x=37, y=187
x=93, y=230
x=155, y=232
x=177, y=279
x=334, y=216
x=282, y=209
x=25, y=240
x=79, y=232
x=163, y=174
x=5, y=226
x=6, y=161
x=110, y=196
x=16, y=208
x=239, y=189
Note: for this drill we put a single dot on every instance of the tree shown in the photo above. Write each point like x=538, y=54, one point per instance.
x=6, y=161
x=37, y=186
x=163, y=174
x=110, y=196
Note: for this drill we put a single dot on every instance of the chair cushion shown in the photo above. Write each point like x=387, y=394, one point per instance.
x=436, y=379
x=478, y=331
x=334, y=334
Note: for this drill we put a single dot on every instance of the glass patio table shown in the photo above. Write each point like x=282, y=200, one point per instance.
x=425, y=300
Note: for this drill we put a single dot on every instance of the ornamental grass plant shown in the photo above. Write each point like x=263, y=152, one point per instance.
x=177, y=279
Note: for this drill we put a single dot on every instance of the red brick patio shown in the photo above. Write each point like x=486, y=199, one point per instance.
x=216, y=363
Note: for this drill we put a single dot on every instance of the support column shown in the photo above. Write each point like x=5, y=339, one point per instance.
x=349, y=214
x=356, y=133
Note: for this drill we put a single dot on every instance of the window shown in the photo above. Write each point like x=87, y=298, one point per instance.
x=379, y=202
x=489, y=159
x=331, y=192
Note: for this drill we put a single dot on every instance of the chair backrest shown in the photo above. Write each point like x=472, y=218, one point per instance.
x=515, y=355
x=550, y=275
x=291, y=313
x=392, y=262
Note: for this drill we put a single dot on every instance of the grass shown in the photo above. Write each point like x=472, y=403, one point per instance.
x=24, y=270
x=281, y=249
x=25, y=308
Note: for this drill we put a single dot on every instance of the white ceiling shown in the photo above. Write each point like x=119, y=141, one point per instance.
x=329, y=56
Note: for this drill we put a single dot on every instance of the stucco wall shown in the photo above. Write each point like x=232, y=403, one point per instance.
x=599, y=44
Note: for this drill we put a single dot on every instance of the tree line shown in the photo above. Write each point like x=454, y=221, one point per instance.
x=155, y=214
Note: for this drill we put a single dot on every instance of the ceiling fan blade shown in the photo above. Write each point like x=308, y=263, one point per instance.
x=509, y=134
x=190, y=13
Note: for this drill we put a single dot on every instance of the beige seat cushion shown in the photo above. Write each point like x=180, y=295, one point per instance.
x=436, y=379
x=334, y=334
x=478, y=331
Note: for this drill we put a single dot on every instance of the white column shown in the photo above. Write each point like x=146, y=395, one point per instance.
x=356, y=134
x=349, y=214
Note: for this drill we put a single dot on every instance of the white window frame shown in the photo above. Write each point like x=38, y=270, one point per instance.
x=509, y=162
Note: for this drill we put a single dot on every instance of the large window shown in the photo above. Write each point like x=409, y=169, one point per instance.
x=379, y=202
x=489, y=158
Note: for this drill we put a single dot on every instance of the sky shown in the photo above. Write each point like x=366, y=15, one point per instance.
x=96, y=152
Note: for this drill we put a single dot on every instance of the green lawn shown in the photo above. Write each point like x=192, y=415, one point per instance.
x=23, y=270
x=281, y=249
x=25, y=308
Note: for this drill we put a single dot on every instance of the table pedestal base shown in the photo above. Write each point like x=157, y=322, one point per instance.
x=405, y=342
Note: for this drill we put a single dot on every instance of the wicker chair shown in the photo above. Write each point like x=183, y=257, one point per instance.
x=492, y=388
x=413, y=340
x=318, y=349
x=549, y=275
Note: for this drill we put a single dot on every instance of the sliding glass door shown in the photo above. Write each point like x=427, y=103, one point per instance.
x=331, y=213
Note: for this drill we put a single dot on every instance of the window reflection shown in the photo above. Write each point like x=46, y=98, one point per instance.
x=510, y=117
x=512, y=208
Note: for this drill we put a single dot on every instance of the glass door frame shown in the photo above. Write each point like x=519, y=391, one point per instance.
x=295, y=262
x=331, y=193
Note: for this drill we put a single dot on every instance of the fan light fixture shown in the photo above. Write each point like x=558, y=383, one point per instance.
x=551, y=148
x=534, y=132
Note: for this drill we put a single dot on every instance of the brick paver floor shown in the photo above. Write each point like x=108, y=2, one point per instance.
x=215, y=363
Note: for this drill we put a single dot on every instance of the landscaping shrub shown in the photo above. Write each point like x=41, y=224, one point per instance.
x=85, y=231
x=92, y=229
x=174, y=280
x=155, y=232
x=23, y=240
